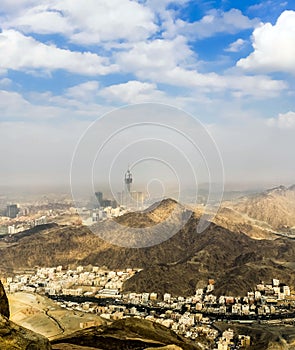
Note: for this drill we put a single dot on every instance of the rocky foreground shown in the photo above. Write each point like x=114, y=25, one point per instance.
x=129, y=333
x=14, y=337
x=134, y=334
x=124, y=334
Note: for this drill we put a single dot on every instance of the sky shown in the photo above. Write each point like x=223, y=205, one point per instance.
x=229, y=64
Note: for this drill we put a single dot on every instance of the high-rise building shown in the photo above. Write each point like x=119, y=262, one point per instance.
x=103, y=202
x=12, y=211
x=99, y=197
x=137, y=200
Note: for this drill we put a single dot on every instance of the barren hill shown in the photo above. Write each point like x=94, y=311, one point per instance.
x=177, y=265
x=155, y=214
x=274, y=208
x=264, y=215
x=129, y=333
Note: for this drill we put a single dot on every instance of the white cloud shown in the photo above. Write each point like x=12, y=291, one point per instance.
x=236, y=46
x=14, y=106
x=169, y=61
x=156, y=55
x=268, y=6
x=172, y=62
x=67, y=106
x=215, y=21
x=86, y=22
x=283, y=121
x=19, y=52
x=5, y=82
x=98, y=21
x=16, y=6
x=39, y=19
x=133, y=92
x=45, y=106
x=85, y=91
x=260, y=86
x=274, y=46
x=109, y=20
x=156, y=4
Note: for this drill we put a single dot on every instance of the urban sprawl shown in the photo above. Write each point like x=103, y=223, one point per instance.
x=98, y=290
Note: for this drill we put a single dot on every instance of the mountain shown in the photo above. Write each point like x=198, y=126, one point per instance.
x=273, y=209
x=240, y=222
x=127, y=334
x=143, y=229
x=155, y=214
x=178, y=265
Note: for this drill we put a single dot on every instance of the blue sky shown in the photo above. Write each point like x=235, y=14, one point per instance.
x=230, y=64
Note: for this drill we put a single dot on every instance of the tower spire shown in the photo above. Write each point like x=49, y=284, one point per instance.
x=128, y=182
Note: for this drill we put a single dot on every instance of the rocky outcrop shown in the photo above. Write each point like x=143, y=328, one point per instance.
x=14, y=337
x=4, y=306
x=168, y=347
x=65, y=346
x=127, y=334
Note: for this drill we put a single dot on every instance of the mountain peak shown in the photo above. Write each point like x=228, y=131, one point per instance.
x=153, y=215
x=164, y=204
x=277, y=189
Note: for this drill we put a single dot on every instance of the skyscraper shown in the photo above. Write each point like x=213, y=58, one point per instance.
x=99, y=197
x=12, y=211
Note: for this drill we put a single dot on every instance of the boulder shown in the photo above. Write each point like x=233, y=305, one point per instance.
x=4, y=306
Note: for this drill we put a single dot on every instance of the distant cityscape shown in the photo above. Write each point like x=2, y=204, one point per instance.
x=16, y=218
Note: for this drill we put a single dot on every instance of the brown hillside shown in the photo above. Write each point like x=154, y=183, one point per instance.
x=177, y=265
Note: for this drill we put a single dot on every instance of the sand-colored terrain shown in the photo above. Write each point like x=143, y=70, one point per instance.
x=46, y=317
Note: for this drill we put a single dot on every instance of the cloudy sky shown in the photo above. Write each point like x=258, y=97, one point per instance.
x=64, y=63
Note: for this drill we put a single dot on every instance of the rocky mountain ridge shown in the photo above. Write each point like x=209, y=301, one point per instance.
x=130, y=333
x=273, y=209
x=178, y=265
